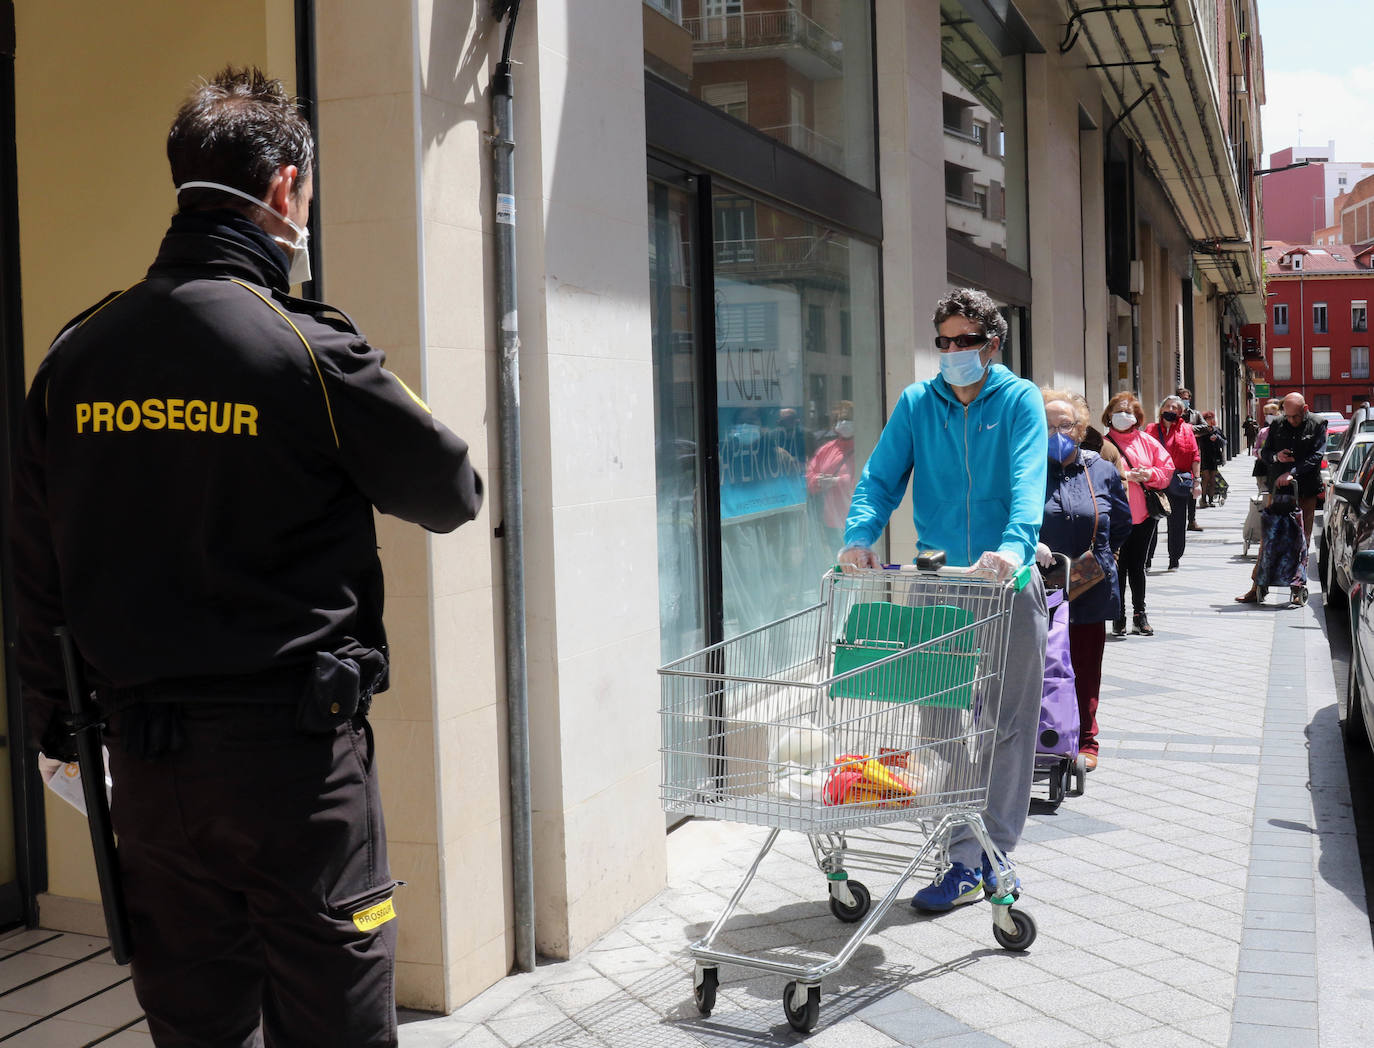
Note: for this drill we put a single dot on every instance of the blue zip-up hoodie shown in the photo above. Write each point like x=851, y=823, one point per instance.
x=980, y=485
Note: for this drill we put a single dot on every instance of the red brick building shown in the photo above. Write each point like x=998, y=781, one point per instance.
x=1315, y=339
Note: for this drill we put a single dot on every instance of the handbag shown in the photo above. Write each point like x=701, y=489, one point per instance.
x=1156, y=505
x=1181, y=484
x=1084, y=570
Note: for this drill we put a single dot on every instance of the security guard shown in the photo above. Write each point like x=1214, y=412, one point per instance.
x=194, y=492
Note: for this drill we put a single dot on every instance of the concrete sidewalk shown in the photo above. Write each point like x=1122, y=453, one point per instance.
x=1205, y=890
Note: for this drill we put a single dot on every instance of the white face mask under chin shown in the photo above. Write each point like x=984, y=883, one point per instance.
x=297, y=251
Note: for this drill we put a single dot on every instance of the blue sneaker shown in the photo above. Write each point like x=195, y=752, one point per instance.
x=957, y=886
x=986, y=874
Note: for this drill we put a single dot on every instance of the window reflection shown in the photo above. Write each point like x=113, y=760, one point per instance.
x=682, y=626
x=800, y=71
x=984, y=142
x=797, y=400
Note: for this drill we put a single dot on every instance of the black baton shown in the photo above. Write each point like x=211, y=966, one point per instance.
x=92, y=766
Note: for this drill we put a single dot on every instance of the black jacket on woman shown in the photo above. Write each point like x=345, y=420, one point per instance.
x=1068, y=525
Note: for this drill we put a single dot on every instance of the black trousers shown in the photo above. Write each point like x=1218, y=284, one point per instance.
x=255, y=869
x=1130, y=565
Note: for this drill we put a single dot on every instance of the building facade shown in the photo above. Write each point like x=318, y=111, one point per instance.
x=733, y=219
x=1316, y=328
x=1301, y=202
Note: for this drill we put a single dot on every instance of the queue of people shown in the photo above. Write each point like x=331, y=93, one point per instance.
x=1040, y=481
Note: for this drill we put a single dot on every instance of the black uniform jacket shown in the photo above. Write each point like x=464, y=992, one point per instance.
x=199, y=460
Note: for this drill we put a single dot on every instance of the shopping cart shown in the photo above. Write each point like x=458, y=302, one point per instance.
x=868, y=723
x=1220, y=490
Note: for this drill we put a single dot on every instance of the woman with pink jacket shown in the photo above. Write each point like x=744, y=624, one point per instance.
x=1145, y=464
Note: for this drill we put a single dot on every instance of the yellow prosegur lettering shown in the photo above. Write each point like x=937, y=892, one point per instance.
x=154, y=417
x=374, y=916
x=197, y=416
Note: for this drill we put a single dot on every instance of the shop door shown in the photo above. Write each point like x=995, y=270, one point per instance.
x=17, y=780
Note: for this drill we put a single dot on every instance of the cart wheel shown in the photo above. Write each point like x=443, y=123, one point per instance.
x=704, y=993
x=1080, y=774
x=802, y=1019
x=850, y=914
x=1025, y=932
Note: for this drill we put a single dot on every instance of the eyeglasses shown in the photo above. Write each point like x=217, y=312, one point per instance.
x=962, y=341
x=1066, y=428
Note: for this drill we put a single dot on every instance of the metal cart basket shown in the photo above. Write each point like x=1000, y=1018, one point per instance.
x=868, y=723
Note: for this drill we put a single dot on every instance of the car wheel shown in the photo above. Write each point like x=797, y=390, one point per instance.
x=1356, y=731
x=1324, y=568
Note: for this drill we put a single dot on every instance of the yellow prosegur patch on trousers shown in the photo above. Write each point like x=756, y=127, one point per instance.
x=374, y=916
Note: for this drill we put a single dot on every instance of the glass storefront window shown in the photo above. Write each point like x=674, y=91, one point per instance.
x=798, y=400
x=800, y=71
x=682, y=626
x=984, y=139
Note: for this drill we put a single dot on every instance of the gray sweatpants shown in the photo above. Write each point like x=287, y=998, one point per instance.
x=1018, y=724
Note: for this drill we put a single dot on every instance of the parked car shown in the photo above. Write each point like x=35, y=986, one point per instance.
x=1335, y=440
x=1334, y=543
x=1331, y=416
x=1359, y=696
x=1360, y=422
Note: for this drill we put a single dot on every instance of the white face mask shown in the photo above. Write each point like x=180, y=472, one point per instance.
x=844, y=429
x=1122, y=420
x=296, y=250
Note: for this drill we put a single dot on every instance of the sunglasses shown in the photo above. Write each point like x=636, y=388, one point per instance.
x=962, y=341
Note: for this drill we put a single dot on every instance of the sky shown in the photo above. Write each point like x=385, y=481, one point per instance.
x=1309, y=71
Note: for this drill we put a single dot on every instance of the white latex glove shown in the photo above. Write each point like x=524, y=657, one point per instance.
x=1001, y=566
x=854, y=558
x=1043, y=556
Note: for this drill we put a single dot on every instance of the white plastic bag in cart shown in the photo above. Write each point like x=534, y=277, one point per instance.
x=800, y=759
x=65, y=779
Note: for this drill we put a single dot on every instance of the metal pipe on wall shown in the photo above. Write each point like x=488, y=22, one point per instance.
x=512, y=526
x=307, y=90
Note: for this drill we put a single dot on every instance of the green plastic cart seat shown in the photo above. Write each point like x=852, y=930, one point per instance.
x=940, y=675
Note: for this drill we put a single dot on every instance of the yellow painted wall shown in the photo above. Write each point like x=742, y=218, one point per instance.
x=97, y=85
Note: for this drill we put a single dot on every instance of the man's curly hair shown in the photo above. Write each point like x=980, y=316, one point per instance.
x=977, y=306
x=238, y=129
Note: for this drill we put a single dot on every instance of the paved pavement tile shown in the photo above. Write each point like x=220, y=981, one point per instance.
x=1203, y=891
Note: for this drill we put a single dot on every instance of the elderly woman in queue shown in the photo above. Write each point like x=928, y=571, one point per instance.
x=1086, y=516
x=1147, y=465
x=1174, y=432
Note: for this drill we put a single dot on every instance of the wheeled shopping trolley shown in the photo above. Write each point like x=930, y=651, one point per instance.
x=868, y=723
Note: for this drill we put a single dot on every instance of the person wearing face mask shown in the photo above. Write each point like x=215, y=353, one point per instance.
x=1085, y=510
x=1147, y=465
x=1273, y=412
x=972, y=441
x=199, y=463
x=830, y=473
x=1178, y=439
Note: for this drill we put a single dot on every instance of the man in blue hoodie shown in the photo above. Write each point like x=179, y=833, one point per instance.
x=974, y=443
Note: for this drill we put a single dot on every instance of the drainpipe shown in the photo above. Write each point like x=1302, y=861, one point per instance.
x=512, y=526
x=307, y=91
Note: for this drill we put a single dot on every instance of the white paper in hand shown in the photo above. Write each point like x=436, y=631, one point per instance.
x=65, y=779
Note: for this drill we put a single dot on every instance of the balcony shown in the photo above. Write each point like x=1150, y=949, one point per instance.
x=805, y=140
x=804, y=44
x=817, y=259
